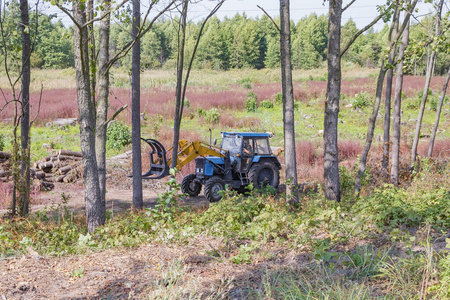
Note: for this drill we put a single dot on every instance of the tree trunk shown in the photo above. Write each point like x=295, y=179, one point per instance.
x=136, y=108
x=422, y=108
x=288, y=102
x=397, y=110
x=438, y=114
x=92, y=59
x=25, y=117
x=86, y=109
x=430, y=69
x=178, y=91
x=376, y=105
x=372, y=120
x=331, y=162
x=387, y=100
x=102, y=99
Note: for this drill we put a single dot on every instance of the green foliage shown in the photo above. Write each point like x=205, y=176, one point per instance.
x=443, y=287
x=362, y=100
x=246, y=82
x=266, y=104
x=278, y=98
x=251, y=104
x=118, y=135
x=253, y=216
x=394, y=206
x=212, y=116
x=2, y=142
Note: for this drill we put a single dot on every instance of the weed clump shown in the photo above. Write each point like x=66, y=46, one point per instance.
x=251, y=104
x=266, y=104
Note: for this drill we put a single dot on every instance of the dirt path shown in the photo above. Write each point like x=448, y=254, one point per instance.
x=145, y=272
x=118, y=198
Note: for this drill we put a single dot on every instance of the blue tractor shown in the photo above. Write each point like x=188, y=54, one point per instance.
x=243, y=158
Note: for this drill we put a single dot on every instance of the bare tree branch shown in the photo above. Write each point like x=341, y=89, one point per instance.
x=348, y=5
x=362, y=30
x=274, y=23
x=125, y=49
x=213, y=11
x=39, y=106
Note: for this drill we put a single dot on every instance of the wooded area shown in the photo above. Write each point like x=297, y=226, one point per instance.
x=382, y=198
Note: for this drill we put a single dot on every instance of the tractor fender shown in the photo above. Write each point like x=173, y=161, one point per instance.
x=260, y=158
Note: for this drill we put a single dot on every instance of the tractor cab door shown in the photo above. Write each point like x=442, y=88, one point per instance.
x=248, y=152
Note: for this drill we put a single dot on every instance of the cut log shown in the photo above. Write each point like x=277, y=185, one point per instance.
x=60, y=178
x=74, y=174
x=62, y=122
x=70, y=153
x=67, y=157
x=46, y=166
x=64, y=170
x=4, y=155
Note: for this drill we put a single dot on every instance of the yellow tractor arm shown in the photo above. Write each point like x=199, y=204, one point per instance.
x=188, y=151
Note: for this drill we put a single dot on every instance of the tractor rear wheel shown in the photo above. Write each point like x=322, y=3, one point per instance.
x=190, y=186
x=263, y=174
x=212, y=188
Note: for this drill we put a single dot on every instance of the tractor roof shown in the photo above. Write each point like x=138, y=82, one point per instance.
x=245, y=134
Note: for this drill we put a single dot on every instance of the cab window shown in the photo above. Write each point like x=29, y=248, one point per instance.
x=262, y=146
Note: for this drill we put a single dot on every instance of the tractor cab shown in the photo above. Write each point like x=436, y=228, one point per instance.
x=245, y=148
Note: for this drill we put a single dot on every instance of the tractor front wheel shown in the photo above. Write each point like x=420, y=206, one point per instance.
x=190, y=186
x=212, y=188
x=263, y=174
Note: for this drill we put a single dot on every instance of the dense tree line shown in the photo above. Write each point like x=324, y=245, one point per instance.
x=237, y=42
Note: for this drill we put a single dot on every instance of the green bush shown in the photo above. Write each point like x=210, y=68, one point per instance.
x=362, y=100
x=201, y=112
x=246, y=82
x=118, y=135
x=395, y=206
x=212, y=116
x=278, y=98
x=266, y=104
x=2, y=142
x=251, y=104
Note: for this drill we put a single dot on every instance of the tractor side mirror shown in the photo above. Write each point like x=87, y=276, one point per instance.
x=214, y=142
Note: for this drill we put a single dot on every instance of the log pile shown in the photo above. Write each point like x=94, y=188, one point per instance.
x=64, y=166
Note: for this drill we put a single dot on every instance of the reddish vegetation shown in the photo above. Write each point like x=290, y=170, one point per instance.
x=441, y=148
x=6, y=189
x=61, y=103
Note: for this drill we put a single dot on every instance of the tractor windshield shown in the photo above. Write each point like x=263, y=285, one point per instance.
x=232, y=144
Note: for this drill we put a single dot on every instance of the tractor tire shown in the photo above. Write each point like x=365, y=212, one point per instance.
x=212, y=188
x=189, y=186
x=264, y=173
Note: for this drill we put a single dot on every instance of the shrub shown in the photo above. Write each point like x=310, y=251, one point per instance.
x=212, y=116
x=361, y=100
x=2, y=142
x=251, y=104
x=118, y=135
x=266, y=104
x=200, y=112
x=278, y=98
x=394, y=206
x=246, y=82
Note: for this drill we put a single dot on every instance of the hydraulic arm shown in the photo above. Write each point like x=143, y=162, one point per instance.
x=187, y=152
